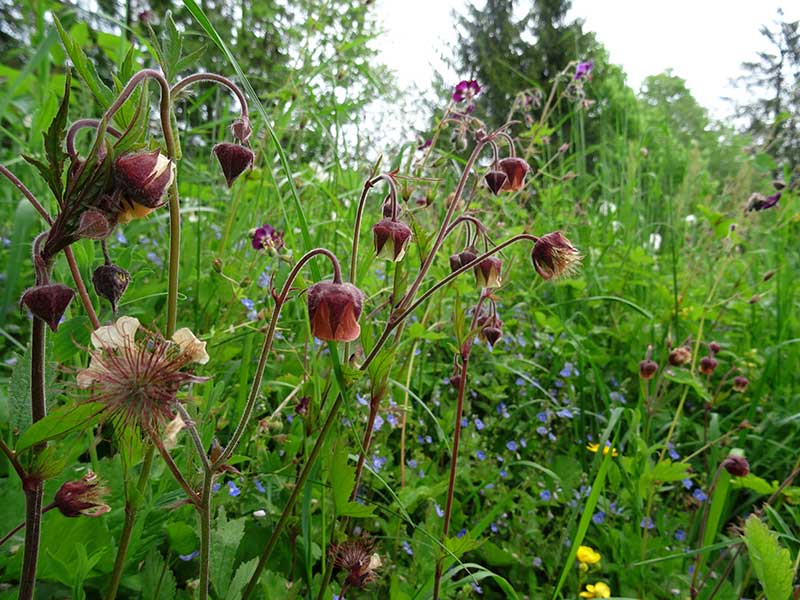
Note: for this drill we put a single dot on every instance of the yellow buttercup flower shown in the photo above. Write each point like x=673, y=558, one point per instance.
x=588, y=555
x=596, y=447
x=598, y=590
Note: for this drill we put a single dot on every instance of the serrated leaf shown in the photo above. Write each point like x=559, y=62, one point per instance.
x=669, y=471
x=158, y=581
x=226, y=535
x=59, y=423
x=189, y=60
x=54, y=140
x=85, y=68
x=771, y=563
x=686, y=378
x=459, y=546
x=182, y=537
x=755, y=483
x=342, y=479
x=243, y=574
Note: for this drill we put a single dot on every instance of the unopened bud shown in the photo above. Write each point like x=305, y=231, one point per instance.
x=492, y=334
x=391, y=239
x=94, y=225
x=234, y=159
x=48, y=302
x=714, y=347
x=143, y=178
x=110, y=282
x=563, y=148
x=740, y=383
x=467, y=255
x=216, y=264
x=647, y=368
x=736, y=465
x=334, y=310
x=495, y=181
x=455, y=262
x=768, y=275
x=707, y=365
x=754, y=299
x=241, y=129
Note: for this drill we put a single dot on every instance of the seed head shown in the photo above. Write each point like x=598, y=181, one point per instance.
x=554, y=256
x=334, y=310
x=357, y=559
x=680, y=356
x=82, y=497
x=110, y=282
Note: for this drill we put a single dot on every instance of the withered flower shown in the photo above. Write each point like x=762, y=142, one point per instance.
x=334, y=310
x=138, y=380
x=515, y=169
x=110, y=282
x=48, y=302
x=82, y=497
x=357, y=559
x=554, y=256
x=234, y=159
x=142, y=178
x=680, y=356
x=488, y=272
x=391, y=239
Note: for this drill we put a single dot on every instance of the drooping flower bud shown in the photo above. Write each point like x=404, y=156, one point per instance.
x=740, y=383
x=391, y=239
x=736, y=465
x=714, y=347
x=234, y=160
x=707, y=365
x=648, y=368
x=48, y=302
x=334, y=310
x=82, y=497
x=242, y=129
x=94, y=225
x=495, y=180
x=110, y=282
x=491, y=334
x=143, y=178
x=515, y=169
x=554, y=256
x=680, y=356
x=467, y=255
x=488, y=272
x=455, y=262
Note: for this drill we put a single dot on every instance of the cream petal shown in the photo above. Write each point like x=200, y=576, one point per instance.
x=190, y=345
x=118, y=335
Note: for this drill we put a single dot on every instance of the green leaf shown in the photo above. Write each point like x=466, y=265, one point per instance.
x=226, y=535
x=59, y=423
x=669, y=471
x=243, y=574
x=158, y=581
x=19, y=392
x=182, y=537
x=755, y=483
x=459, y=546
x=54, y=140
x=342, y=480
x=85, y=68
x=771, y=563
x=686, y=378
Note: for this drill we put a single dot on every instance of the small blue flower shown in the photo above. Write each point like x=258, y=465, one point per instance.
x=378, y=462
x=520, y=381
x=494, y=528
x=155, y=259
x=617, y=397
x=542, y=430
x=680, y=535
x=699, y=495
x=461, y=533
x=673, y=454
x=542, y=416
x=439, y=511
x=503, y=473
x=407, y=548
x=263, y=279
x=646, y=523
x=569, y=370
x=499, y=458
x=259, y=486
x=687, y=483
x=233, y=490
x=489, y=486
x=362, y=400
x=428, y=439
x=412, y=464
x=188, y=557
x=599, y=517
x=478, y=589
x=392, y=420
x=478, y=424
x=537, y=562
x=464, y=422
x=216, y=486
x=523, y=443
x=512, y=446
x=481, y=455
x=565, y=413
x=121, y=237
x=247, y=303
x=421, y=474
x=546, y=495
x=376, y=426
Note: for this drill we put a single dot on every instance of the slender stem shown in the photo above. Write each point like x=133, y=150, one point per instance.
x=12, y=458
x=368, y=185
x=193, y=433
x=703, y=524
x=176, y=472
x=131, y=508
x=287, y=509
x=27, y=193
x=265, y=349
x=34, y=488
x=82, y=291
x=204, y=511
x=83, y=124
x=11, y=533
x=187, y=81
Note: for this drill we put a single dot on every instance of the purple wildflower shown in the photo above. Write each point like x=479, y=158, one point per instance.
x=545, y=495
x=479, y=424
x=680, y=535
x=512, y=446
x=378, y=462
x=687, y=483
x=569, y=370
x=542, y=430
x=466, y=90
x=266, y=236
x=233, y=491
x=599, y=517
x=188, y=557
x=699, y=495
x=481, y=455
x=259, y=486
x=584, y=69
x=647, y=523
x=673, y=454
x=407, y=548
x=376, y=426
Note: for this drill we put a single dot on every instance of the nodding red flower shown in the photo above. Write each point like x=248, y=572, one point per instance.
x=466, y=90
x=647, y=368
x=455, y=262
x=467, y=255
x=736, y=465
x=714, y=347
x=110, y=282
x=680, y=356
x=554, y=256
x=334, y=310
x=266, y=237
x=759, y=202
x=82, y=497
x=488, y=272
x=138, y=380
x=515, y=169
x=357, y=559
x=143, y=178
x=234, y=159
x=48, y=302
x=391, y=239
x=740, y=383
x=491, y=328
x=707, y=365
x=495, y=180
x=584, y=69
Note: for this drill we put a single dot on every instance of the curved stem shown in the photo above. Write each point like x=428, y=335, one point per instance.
x=265, y=349
x=368, y=185
x=12, y=458
x=193, y=433
x=83, y=124
x=82, y=291
x=287, y=509
x=187, y=81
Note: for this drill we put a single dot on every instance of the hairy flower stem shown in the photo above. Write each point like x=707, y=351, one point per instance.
x=466, y=350
x=131, y=509
x=213, y=77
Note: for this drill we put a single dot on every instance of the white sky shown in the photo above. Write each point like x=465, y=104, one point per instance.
x=703, y=41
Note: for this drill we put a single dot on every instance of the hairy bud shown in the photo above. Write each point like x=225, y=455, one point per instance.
x=736, y=465
x=391, y=239
x=48, y=302
x=648, y=368
x=495, y=181
x=234, y=160
x=740, y=383
x=334, y=310
x=143, y=178
x=94, y=225
x=110, y=282
x=707, y=365
x=554, y=256
x=242, y=129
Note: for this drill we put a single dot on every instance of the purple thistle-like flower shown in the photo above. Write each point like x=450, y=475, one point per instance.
x=466, y=90
x=584, y=69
